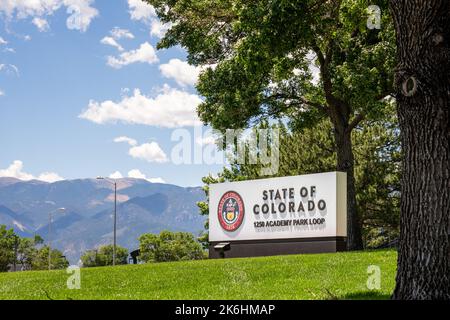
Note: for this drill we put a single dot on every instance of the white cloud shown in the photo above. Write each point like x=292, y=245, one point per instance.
x=182, y=72
x=2, y=93
x=144, y=54
x=3, y=41
x=9, y=69
x=130, y=141
x=140, y=10
x=144, y=12
x=41, y=24
x=116, y=175
x=136, y=174
x=159, y=29
x=150, y=152
x=15, y=170
x=50, y=177
x=156, y=180
x=170, y=108
x=118, y=33
x=111, y=42
x=80, y=12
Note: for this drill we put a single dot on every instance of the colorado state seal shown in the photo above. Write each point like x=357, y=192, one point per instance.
x=231, y=211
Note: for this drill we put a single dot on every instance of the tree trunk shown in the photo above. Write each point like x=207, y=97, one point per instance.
x=423, y=100
x=345, y=162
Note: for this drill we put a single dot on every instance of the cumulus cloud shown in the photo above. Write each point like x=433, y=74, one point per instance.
x=150, y=152
x=140, y=10
x=3, y=41
x=80, y=12
x=111, y=42
x=159, y=29
x=118, y=33
x=144, y=54
x=2, y=93
x=15, y=170
x=182, y=72
x=49, y=177
x=136, y=174
x=130, y=141
x=116, y=175
x=144, y=12
x=41, y=24
x=170, y=108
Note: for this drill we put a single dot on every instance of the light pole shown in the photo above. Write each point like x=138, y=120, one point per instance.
x=115, y=215
x=49, y=235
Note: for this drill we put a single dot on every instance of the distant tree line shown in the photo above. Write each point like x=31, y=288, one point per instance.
x=164, y=247
x=27, y=253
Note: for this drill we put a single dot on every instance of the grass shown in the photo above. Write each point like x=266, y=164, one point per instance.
x=313, y=276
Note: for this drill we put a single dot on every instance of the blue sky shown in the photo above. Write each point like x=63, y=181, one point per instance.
x=78, y=75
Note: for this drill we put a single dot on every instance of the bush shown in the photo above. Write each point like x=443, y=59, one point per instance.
x=169, y=246
x=103, y=256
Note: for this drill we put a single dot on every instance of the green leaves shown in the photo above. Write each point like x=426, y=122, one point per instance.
x=103, y=256
x=169, y=246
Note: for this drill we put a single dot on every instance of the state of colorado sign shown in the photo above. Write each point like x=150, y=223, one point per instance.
x=230, y=211
x=307, y=206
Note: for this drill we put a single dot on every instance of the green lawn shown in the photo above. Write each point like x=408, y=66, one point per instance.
x=312, y=276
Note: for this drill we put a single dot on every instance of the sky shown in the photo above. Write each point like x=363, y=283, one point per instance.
x=84, y=93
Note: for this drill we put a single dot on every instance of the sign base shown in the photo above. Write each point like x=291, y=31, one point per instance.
x=254, y=248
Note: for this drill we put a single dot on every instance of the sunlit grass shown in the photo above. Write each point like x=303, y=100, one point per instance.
x=312, y=276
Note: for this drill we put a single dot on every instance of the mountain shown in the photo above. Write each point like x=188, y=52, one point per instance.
x=87, y=221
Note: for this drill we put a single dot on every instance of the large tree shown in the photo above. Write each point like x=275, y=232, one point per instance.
x=308, y=150
x=262, y=52
x=422, y=84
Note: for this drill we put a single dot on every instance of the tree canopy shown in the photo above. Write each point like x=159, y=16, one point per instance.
x=260, y=60
x=169, y=246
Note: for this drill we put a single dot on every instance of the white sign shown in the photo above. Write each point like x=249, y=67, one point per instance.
x=307, y=206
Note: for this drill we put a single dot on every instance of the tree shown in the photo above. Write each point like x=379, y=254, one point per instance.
x=377, y=170
x=40, y=259
x=169, y=246
x=27, y=249
x=7, y=241
x=262, y=53
x=422, y=88
x=103, y=256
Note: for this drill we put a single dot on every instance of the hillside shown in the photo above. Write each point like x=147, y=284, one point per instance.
x=142, y=207
x=314, y=276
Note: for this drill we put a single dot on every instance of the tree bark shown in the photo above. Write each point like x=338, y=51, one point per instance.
x=345, y=163
x=422, y=84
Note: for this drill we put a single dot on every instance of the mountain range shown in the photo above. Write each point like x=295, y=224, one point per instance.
x=87, y=222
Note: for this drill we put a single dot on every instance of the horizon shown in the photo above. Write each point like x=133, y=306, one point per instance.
x=114, y=179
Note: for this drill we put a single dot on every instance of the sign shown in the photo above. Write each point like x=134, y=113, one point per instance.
x=306, y=206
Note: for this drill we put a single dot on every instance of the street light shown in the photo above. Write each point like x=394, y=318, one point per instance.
x=115, y=215
x=49, y=235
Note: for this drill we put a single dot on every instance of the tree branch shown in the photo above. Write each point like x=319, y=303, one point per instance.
x=356, y=121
